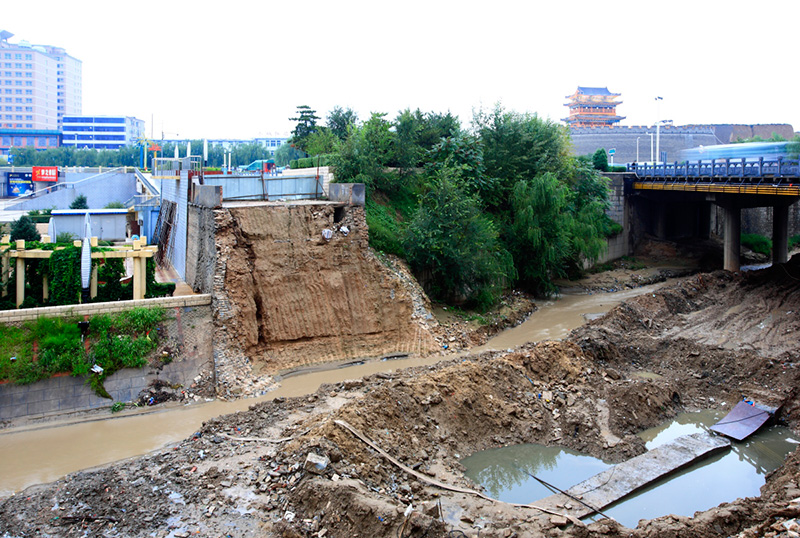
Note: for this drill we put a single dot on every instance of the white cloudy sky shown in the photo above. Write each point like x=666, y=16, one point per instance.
x=239, y=68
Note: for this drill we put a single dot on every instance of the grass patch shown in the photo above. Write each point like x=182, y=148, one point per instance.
x=757, y=243
x=48, y=346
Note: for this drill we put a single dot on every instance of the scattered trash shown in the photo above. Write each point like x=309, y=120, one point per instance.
x=315, y=463
x=345, y=230
x=97, y=369
x=327, y=234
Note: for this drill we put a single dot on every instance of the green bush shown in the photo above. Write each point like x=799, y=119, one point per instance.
x=156, y=289
x=117, y=341
x=757, y=243
x=24, y=228
x=66, y=237
x=311, y=162
x=794, y=241
x=79, y=202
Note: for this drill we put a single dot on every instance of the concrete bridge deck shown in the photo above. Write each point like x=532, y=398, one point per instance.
x=625, y=478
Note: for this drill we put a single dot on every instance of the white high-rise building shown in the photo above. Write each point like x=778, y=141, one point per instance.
x=39, y=85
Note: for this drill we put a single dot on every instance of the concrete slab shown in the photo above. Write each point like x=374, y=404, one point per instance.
x=623, y=479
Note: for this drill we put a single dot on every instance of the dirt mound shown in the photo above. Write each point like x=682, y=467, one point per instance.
x=249, y=473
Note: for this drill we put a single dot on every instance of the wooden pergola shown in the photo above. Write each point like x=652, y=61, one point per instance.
x=138, y=252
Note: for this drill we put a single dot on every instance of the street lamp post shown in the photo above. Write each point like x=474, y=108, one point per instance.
x=658, y=136
x=651, y=148
x=637, y=148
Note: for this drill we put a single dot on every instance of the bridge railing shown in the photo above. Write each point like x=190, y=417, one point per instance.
x=720, y=168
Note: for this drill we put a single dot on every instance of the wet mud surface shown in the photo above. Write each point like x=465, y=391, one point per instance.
x=292, y=467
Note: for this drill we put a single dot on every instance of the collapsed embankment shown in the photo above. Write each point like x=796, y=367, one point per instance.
x=245, y=473
x=296, y=284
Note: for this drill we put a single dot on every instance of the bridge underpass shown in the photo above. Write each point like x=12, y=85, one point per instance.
x=672, y=204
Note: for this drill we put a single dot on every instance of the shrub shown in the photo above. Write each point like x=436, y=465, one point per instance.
x=66, y=237
x=311, y=162
x=114, y=205
x=600, y=160
x=79, y=202
x=794, y=241
x=24, y=228
x=156, y=289
x=757, y=243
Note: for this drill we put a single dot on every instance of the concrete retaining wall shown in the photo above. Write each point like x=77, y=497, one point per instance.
x=188, y=332
x=99, y=190
x=201, y=250
x=29, y=314
x=349, y=193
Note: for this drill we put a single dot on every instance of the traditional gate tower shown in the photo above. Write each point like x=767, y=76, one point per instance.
x=593, y=107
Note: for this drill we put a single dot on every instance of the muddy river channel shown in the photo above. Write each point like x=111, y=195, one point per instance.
x=28, y=456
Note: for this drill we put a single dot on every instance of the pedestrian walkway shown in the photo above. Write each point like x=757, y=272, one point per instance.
x=169, y=274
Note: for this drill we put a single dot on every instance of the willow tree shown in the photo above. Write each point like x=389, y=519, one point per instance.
x=454, y=248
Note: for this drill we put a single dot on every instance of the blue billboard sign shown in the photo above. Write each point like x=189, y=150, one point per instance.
x=19, y=184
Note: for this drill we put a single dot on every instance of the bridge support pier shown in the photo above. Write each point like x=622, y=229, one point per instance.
x=733, y=232
x=780, y=234
x=661, y=221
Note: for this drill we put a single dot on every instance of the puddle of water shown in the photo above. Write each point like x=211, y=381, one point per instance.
x=90, y=444
x=505, y=472
x=739, y=472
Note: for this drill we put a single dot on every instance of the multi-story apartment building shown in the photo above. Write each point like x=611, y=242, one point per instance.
x=101, y=132
x=39, y=85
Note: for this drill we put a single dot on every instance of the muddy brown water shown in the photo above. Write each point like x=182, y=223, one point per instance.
x=45, y=453
x=735, y=473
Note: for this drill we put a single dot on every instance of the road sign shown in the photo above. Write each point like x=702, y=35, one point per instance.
x=612, y=151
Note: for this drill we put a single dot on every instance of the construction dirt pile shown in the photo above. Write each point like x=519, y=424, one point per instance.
x=379, y=456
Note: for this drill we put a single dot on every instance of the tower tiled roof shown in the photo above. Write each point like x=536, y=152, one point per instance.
x=595, y=91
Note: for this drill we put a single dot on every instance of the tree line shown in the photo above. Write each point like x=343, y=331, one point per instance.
x=241, y=155
x=473, y=210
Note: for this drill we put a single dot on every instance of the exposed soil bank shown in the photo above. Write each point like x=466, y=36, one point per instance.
x=709, y=341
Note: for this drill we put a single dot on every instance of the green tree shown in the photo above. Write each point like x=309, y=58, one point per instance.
x=287, y=153
x=519, y=147
x=600, y=160
x=341, y=120
x=306, y=125
x=79, y=202
x=541, y=231
x=322, y=142
x=464, y=152
x=454, y=248
x=24, y=228
x=366, y=153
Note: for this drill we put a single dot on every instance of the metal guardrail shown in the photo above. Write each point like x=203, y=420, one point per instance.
x=715, y=170
x=149, y=185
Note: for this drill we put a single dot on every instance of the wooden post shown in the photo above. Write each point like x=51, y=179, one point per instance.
x=20, y=280
x=143, y=275
x=93, y=282
x=45, y=287
x=4, y=269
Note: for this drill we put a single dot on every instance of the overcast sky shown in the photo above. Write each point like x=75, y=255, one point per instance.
x=238, y=69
